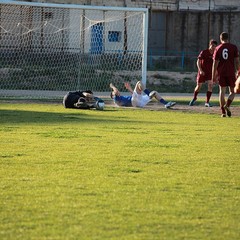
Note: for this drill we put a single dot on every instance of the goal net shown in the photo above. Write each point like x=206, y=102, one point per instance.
x=50, y=48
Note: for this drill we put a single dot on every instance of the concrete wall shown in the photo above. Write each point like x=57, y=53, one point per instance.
x=186, y=25
x=172, y=5
x=190, y=31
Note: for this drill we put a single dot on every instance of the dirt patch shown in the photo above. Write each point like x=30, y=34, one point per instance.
x=205, y=110
x=181, y=106
x=154, y=106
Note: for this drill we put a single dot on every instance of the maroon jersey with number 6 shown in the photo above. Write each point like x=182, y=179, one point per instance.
x=225, y=53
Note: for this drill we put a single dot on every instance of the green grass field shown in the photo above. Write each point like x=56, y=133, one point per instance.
x=117, y=174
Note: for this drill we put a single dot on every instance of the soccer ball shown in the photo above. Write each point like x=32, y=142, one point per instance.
x=100, y=105
x=237, y=86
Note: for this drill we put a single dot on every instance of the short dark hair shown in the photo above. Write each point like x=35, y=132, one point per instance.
x=224, y=36
x=213, y=41
x=88, y=91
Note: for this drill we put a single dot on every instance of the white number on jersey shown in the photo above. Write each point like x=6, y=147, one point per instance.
x=225, y=53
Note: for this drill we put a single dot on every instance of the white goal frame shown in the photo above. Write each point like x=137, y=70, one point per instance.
x=144, y=11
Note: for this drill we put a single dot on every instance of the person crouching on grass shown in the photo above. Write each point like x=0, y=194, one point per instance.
x=81, y=100
x=140, y=96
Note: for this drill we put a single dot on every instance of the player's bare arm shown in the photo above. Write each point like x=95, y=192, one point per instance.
x=214, y=70
x=237, y=66
x=200, y=68
x=115, y=90
x=128, y=87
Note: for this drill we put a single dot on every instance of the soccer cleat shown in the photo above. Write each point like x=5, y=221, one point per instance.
x=223, y=115
x=208, y=104
x=228, y=110
x=170, y=104
x=192, y=102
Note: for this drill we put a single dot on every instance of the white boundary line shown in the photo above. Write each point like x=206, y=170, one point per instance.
x=90, y=7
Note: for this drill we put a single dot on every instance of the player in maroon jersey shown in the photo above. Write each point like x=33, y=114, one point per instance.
x=225, y=67
x=204, y=65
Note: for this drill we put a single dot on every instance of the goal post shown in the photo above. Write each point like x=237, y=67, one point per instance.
x=64, y=47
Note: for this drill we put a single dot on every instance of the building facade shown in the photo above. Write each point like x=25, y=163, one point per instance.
x=180, y=27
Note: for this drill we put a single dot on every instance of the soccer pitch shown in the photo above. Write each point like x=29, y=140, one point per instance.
x=117, y=174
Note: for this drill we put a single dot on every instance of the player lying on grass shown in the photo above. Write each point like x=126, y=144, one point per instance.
x=140, y=96
x=82, y=100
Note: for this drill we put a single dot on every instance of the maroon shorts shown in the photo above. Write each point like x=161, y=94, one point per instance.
x=203, y=79
x=227, y=81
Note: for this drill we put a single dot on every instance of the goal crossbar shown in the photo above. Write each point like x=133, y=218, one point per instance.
x=74, y=6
